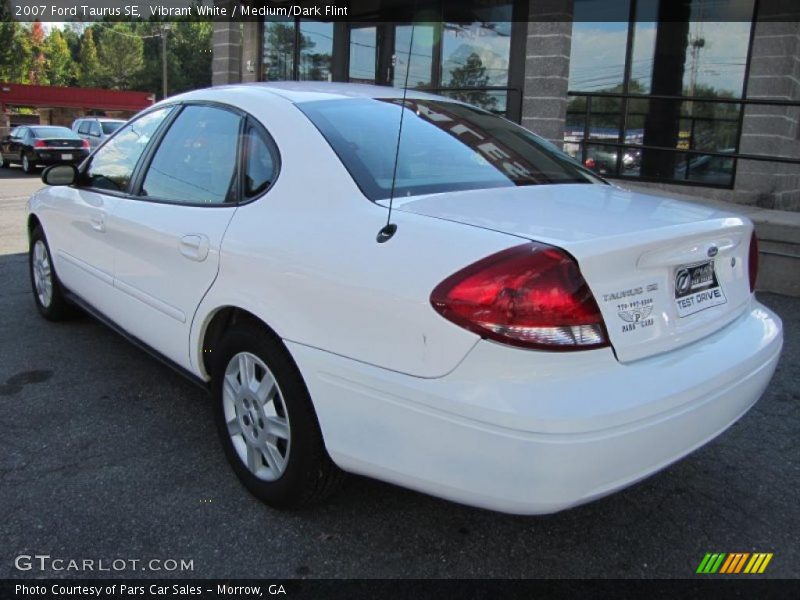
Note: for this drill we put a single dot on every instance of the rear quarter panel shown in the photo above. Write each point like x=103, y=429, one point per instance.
x=304, y=259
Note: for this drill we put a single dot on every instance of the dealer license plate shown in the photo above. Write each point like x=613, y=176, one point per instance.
x=697, y=288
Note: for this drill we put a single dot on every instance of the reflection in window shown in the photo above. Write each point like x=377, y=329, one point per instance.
x=679, y=50
x=277, y=61
x=598, y=57
x=363, y=54
x=714, y=49
x=421, y=55
x=445, y=146
x=316, y=49
x=113, y=164
x=476, y=55
x=260, y=163
x=195, y=161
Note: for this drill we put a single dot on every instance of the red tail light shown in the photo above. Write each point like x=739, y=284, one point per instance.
x=590, y=163
x=531, y=295
x=752, y=261
x=85, y=144
x=39, y=144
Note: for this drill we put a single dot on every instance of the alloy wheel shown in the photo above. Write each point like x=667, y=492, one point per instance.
x=42, y=274
x=256, y=416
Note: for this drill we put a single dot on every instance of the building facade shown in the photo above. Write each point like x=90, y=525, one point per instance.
x=698, y=96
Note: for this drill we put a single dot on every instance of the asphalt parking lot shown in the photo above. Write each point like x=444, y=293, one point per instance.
x=105, y=454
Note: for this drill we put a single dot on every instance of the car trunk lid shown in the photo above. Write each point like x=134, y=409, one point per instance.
x=664, y=272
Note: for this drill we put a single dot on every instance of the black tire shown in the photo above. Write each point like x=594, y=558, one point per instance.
x=27, y=165
x=310, y=475
x=58, y=308
x=4, y=164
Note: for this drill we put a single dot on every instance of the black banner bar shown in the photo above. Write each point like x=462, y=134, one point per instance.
x=709, y=586
x=460, y=11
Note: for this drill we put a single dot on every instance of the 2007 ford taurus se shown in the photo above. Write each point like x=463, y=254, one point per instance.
x=520, y=335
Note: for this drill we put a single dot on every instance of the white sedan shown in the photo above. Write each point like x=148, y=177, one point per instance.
x=522, y=337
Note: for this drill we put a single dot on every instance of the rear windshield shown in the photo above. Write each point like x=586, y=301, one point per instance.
x=54, y=132
x=444, y=147
x=109, y=126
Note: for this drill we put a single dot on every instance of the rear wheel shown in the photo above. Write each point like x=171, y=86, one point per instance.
x=4, y=164
x=47, y=291
x=27, y=165
x=266, y=422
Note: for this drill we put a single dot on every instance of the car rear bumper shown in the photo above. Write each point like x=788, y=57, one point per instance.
x=530, y=432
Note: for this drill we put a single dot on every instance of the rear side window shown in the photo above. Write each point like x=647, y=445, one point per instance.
x=84, y=127
x=53, y=132
x=260, y=163
x=195, y=161
x=94, y=129
x=112, y=166
x=445, y=146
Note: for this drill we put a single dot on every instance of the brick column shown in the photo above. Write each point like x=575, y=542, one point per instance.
x=251, y=50
x=227, y=47
x=547, y=52
x=774, y=74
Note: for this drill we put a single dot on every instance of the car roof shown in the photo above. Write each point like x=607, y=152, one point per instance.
x=298, y=92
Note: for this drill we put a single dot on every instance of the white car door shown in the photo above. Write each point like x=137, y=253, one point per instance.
x=167, y=235
x=77, y=216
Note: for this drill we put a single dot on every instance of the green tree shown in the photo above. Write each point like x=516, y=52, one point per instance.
x=59, y=68
x=15, y=50
x=121, y=55
x=188, y=56
x=89, y=66
x=72, y=35
x=189, y=53
x=472, y=74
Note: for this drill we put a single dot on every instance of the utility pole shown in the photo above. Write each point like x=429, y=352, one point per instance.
x=165, y=27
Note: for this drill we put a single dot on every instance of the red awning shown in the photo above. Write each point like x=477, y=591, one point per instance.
x=18, y=94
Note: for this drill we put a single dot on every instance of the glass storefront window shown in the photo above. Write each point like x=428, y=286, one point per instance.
x=421, y=56
x=363, y=54
x=714, y=47
x=316, y=51
x=683, y=56
x=277, y=62
x=598, y=45
x=467, y=60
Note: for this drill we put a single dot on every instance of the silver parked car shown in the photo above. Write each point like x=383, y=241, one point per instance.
x=96, y=129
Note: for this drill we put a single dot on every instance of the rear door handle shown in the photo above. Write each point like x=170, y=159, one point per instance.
x=194, y=246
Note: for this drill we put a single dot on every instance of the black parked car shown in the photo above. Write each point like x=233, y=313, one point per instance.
x=33, y=145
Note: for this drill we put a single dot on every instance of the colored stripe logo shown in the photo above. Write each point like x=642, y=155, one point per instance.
x=734, y=563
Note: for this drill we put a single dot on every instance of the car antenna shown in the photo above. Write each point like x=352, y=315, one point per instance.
x=388, y=230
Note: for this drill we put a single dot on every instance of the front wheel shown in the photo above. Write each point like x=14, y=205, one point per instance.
x=47, y=292
x=266, y=421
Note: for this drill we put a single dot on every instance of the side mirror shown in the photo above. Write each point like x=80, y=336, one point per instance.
x=60, y=175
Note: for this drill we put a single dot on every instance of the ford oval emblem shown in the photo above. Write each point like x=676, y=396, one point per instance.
x=712, y=251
